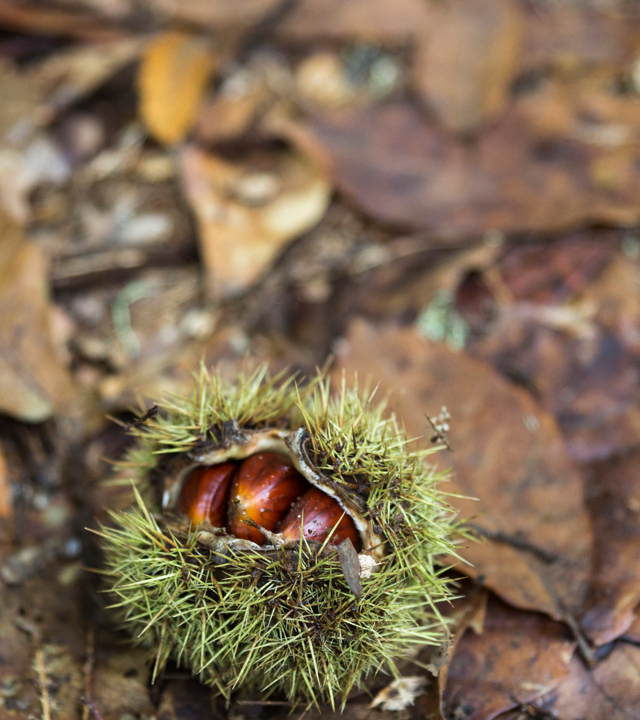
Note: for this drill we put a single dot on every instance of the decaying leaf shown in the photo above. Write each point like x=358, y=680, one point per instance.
x=6, y=499
x=508, y=454
x=229, y=15
x=119, y=684
x=374, y=21
x=610, y=691
x=174, y=72
x=33, y=383
x=613, y=492
x=248, y=211
x=467, y=60
x=517, y=658
x=407, y=170
x=68, y=76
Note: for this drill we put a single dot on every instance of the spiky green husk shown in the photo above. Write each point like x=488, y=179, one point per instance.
x=288, y=620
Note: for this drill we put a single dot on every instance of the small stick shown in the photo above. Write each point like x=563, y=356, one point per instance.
x=88, y=672
x=42, y=679
x=41, y=669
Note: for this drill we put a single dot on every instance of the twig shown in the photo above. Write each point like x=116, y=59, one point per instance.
x=42, y=679
x=90, y=705
x=87, y=669
x=41, y=669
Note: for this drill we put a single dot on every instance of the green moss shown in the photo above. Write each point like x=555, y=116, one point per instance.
x=285, y=619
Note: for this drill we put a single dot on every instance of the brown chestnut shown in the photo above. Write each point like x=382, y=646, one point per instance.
x=262, y=490
x=205, y=493
x=318, y=514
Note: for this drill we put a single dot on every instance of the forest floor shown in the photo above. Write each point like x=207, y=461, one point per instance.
x=442, y=196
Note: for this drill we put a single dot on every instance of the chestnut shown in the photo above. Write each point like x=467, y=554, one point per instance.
x=318, y=514
x=205, y=493
x=262, y=490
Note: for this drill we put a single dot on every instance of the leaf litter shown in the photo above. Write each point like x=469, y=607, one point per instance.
x=442, y=196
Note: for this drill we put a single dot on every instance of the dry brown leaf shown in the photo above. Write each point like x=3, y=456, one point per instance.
x=228, y=15
x=20, y=97
x=67, y=76
x=508, y=453
x=579, y=357
x=613, y=491
x=120, y=685
x=467, y=61
x=375, y=21
x=577, y=35
x=6, y=496
x=47, y=21
x=33, y=384
x=517, y=658
x=173, y=76
x=248, y=211
x=610, y=691
x=408, y=171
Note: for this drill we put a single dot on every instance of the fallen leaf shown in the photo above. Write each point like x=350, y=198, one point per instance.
x=6, y=494
x=187, y=700
x=374, y=21
x=230, y=16
x=466, y=62
x=613, y=498
x=508, y=453
x=579, y=358
x=33, y=384
x=517, y=658
x=248, y=211
x=65, y=77
x=119, y=684
x=20, y=97
x=173, y=76
x=577, y=35
x=610, y=691
x=556, y=272
x=406, y=170
x=632, y=633
x=49, y=21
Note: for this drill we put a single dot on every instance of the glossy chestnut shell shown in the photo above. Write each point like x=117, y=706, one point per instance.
x=264, y=492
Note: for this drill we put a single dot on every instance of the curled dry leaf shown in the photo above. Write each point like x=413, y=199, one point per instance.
x=467, y=60
x=517, y=658
x=613, y=491
x=508, y=453
x=248, y=211
x=173, y=75
x=33, y=383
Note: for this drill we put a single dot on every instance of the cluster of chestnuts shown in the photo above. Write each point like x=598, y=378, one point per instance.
x=280, y=539
x=264, y=492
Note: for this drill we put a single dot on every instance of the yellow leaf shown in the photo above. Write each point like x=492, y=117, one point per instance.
x=173, y=75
